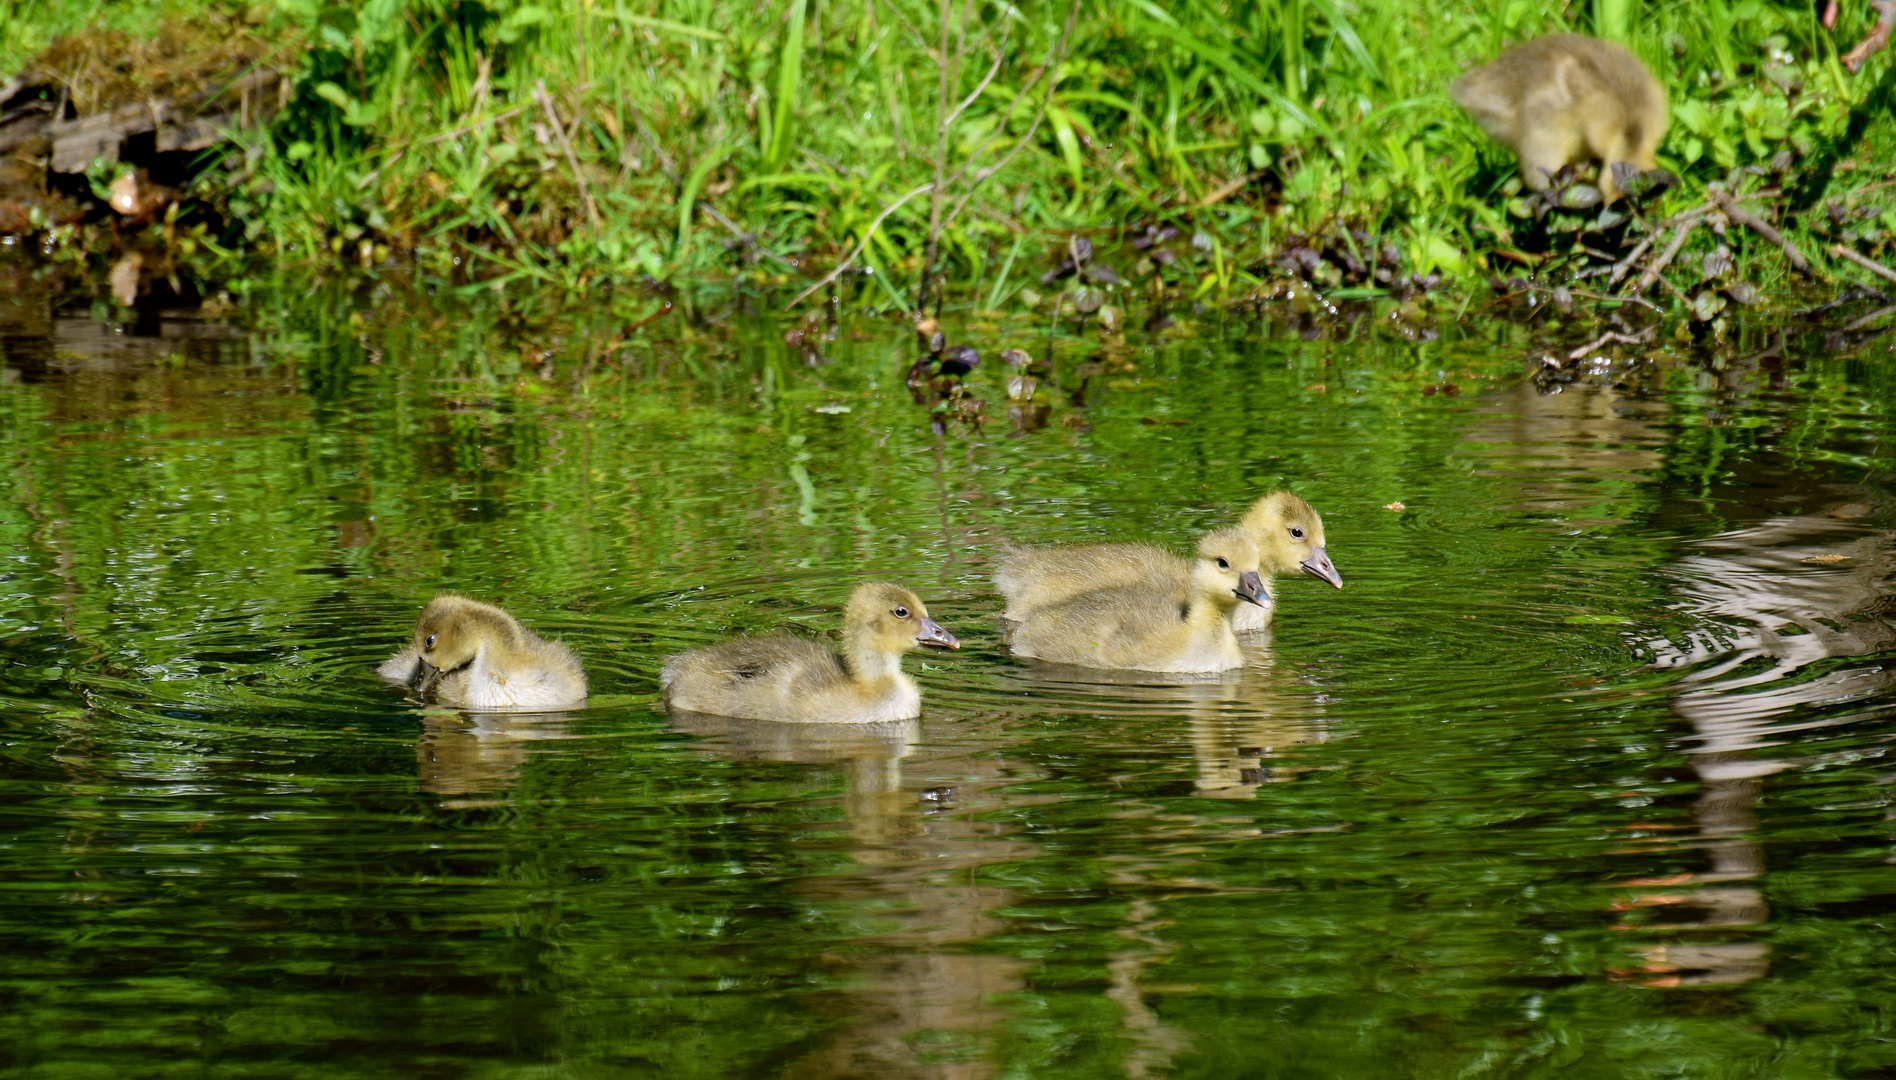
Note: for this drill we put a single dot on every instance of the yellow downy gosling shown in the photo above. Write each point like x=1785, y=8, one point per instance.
x=1287, y=531
x=470, y=655
x=1565, y=99
x=1289, y=538
x=779, y=677
x=1149, y=627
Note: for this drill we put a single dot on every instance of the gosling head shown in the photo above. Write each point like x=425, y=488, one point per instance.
x=1289, y=537
x=1227, y=559
x=890, y=619
x=452, y=629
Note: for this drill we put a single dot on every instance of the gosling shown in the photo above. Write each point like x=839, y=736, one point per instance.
x=1565, y=99
x=1287, y=531
x=470, y=655
x=1149, y=627
x=779, y=677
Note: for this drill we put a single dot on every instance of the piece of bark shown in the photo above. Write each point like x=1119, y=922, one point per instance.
x=78, y=143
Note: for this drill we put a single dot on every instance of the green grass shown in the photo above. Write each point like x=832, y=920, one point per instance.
x=415, y=132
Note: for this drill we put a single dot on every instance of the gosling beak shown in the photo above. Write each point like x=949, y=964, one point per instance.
x=1318, y=566
x=933, y=635
x=1251, y=587
x=424, y=674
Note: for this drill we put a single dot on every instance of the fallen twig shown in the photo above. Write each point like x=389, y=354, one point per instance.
x=1762, y=228
x=1658, y=265
x=572, y=161
x=866, y=236
x=1866, y=263
x=1610, y=335
x=1621, y=268
x=1876, y=39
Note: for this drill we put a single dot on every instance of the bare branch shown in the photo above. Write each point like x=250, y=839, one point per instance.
x=1000, y=54
x=867, y=234
x=1619, y=269
x=994, y=136
x=1059, y=54
x=1871, y=265
x=1759, y=226
x=1658, y=265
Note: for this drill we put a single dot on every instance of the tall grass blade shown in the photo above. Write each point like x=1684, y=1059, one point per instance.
x=783, y=134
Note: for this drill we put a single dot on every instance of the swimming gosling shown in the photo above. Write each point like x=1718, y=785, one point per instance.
x=1287, y=531
x=779, y=677
x=1148, y=627
x=470, y=655
x=1565, y=99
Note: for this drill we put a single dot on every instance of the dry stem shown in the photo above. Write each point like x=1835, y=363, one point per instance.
x=1053, y=66
x=1665, y=258
x=1762, y=228
x=867, y=234
x=1871, y=265
x=572, y=160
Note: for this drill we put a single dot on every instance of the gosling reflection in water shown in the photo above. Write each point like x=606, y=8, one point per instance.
x=918, y=999
x=1776, y=597
x=1245, y=726
x=470, y=759
x=1570, y=455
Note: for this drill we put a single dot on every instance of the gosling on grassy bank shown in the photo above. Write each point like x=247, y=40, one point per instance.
x=470, y=655
x=1565, y=99
x=1148, y=626
x=779, y=677
x=1287, y=531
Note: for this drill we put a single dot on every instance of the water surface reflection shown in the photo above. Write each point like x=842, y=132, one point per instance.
x=1584, y=774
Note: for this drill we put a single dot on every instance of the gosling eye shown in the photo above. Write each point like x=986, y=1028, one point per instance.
x=901, y=613
x=1223, y=565
x=1296, y=533
x=428, y=644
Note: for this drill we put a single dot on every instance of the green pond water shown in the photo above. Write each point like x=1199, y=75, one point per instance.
x=1584, y=773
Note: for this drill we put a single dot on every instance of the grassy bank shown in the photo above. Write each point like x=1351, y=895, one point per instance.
x=1201, y=149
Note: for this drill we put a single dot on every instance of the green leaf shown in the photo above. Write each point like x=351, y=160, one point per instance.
x=789, y=78
x=335, y=95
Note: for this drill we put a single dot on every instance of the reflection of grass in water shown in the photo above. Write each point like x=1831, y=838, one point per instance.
x=1430, y=885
